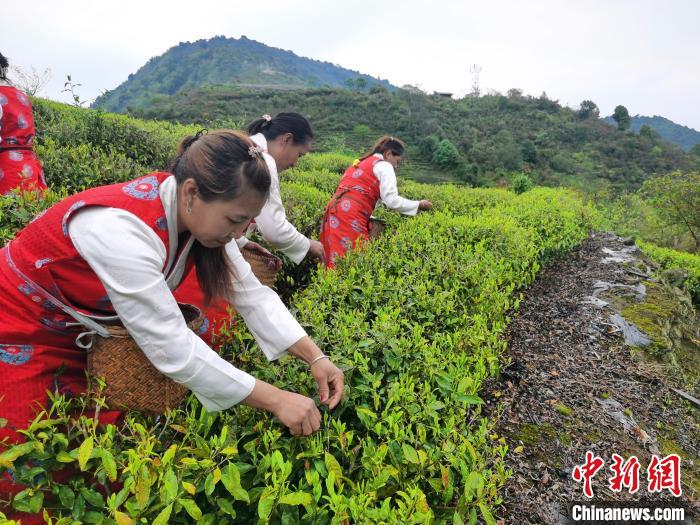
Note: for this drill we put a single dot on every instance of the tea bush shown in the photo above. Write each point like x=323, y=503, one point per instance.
x=333, y=162
x=669, y=259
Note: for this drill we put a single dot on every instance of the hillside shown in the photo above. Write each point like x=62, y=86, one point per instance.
x=477, y=140
x=225, y=61
x=684, y=136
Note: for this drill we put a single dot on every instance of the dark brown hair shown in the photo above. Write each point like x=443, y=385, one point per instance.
x=4, y=64
x=273, y=127
x=387, y=143
x=221, y=163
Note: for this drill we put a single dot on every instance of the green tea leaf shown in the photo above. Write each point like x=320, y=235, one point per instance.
x=231, y=478
x=189, y=488
x=109, y=464
x=163, y=516
x=191, y=507
x=170, y=484
x=123, y=519
x=9, y=456
x=84, y=453
x=486, y=514
x=66, y=496
x=266, y=503
x=297, y=498
x=333, y=466
x=225, y=505
x=169, y=455
x=410, y=453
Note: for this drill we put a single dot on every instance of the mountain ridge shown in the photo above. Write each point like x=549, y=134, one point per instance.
x=229, y=62
x=685, y=136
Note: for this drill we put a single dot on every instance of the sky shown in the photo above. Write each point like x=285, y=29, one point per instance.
x=643, y=54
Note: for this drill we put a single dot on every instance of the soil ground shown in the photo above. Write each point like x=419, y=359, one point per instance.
x=572, y=385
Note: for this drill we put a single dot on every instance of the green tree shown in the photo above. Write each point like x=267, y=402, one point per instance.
x=446, y=154
x=648, y=132
x=428, y=145
x=588, y=109
x=521, y=183
x=622, y=117
x=676, y=197
x=529, y=151
x=362, y=130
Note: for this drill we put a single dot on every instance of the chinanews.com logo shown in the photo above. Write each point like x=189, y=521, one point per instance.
x=662, y=474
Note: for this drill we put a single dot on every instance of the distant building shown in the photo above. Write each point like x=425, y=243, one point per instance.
x=443, y=94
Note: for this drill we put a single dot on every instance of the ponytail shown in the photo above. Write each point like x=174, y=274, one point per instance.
x=4, y=64
x=387, y=143
x=273, y=127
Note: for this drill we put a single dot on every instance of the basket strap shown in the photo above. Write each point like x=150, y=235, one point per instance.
x=84, y=320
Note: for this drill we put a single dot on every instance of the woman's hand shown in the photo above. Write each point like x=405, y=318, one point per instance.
x=296, y=412
x=316, y=250
x=425, y=205
x=330, y=380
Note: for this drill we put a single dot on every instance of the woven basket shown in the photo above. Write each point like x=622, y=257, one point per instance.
x=376, y=227
x=131, y=381
x=264, y=267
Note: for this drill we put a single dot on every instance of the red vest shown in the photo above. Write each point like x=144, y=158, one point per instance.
x=17, y=119
x=45, y=252
x=19, y=167
x=361, y=184
x=346, y=219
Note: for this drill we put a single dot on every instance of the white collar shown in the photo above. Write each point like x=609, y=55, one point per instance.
x=168, y=196
x=260, y=140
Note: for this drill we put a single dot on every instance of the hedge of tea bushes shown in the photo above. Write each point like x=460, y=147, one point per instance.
x=17, y=209
x=333, y=162
x=669, y=259
x=149, y=143
x=82, y=148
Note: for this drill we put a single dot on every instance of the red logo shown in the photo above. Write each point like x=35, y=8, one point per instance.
x=665, y=474
x=586, y=471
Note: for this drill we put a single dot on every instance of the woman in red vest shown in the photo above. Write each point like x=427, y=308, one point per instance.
x=367, y=182
x=120, y=251
x=284, y=139
x=19, y=166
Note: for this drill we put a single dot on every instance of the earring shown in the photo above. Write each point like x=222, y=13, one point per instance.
x=189, y=208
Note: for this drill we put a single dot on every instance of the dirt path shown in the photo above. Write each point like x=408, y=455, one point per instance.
x=573, y=386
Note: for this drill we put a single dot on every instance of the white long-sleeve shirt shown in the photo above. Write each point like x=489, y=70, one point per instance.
x=128, y=257
x=388, y=190
x=272, y=221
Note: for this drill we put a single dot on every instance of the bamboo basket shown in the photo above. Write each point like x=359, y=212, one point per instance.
x=264, y=267
x=376, y=227
x=131, y=381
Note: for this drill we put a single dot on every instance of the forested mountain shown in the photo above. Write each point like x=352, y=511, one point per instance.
x=478, y=140
x=230, y=62
x=684, y=136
